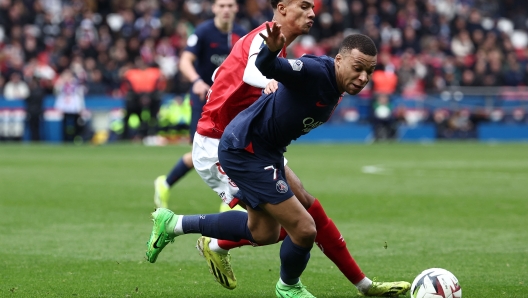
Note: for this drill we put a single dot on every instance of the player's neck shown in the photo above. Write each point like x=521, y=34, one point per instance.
x=223, y=27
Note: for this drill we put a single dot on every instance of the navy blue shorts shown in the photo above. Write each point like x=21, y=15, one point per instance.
x=259, y=181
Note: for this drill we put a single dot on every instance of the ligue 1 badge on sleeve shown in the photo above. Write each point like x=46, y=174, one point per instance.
x=296, y=64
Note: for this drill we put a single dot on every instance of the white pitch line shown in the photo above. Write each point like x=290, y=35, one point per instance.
x=373, y=170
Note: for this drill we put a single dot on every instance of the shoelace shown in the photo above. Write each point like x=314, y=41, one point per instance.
x=225, y=261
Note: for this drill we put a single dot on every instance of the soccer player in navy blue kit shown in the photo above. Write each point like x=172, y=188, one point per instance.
x=251, y=153
x=252, y=146
x=206, y=49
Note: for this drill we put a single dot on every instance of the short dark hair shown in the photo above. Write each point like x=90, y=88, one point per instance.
x=358, y=41
x=274, y=3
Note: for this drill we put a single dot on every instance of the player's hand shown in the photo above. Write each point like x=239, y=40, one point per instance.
x=200, y=88
x=275, y=39
x=271, y=87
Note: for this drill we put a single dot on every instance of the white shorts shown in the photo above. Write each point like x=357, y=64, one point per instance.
x=205, y=160
x=206, y=164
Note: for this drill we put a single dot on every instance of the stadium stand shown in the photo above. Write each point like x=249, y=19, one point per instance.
x=444, y=58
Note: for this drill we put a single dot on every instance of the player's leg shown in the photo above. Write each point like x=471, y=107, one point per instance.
x=263, y=186
x=232, y=225
x=295, y=249
x=163, y=183
x=205, y=160
x=167, y=226
x=333, y=245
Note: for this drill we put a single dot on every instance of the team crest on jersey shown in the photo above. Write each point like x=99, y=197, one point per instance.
x=281, y=186
x=296, y=64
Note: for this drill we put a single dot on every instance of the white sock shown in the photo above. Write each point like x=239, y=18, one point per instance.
x=364, y=285
x=213, y=245
x=285, y=284
x=165, y=183
x=178, y=230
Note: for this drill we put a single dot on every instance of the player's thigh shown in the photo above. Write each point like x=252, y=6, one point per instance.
x=264, y=228
x=297, y=187
x=294, y=218
x=206, y=164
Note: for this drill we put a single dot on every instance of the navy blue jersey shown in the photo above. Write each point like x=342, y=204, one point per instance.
x=211, y=47
x=306, y=97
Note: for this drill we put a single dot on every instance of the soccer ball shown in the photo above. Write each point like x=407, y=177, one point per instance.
x=435, y=283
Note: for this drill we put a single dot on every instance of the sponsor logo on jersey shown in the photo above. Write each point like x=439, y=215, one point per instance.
x=310, y=123
x=218, y=59
x=281, y=186
x=296, y=64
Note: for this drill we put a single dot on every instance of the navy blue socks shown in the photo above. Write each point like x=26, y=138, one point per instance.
x=230, y=225
x=179, y=170
x=294, y=259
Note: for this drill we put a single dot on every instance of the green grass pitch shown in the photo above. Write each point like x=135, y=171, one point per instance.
x=74, y=220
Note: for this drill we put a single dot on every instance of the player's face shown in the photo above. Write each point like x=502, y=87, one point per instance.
x=354, y=70
x=299, y=15
x=225, y=10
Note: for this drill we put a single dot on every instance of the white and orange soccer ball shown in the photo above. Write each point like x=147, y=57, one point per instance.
x=436, y=283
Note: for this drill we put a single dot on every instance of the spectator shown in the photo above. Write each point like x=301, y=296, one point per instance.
x=513, y=73
x=95, y=84
x=34, y=109
x=461, y=124
x=384, y=80
x=468, y=78
x=383, y=122
x=441, y=121
x=70, y=101
x=2, y=83
x=16, y=88
x=143, y=97
x=517, y=116
x=461, y=45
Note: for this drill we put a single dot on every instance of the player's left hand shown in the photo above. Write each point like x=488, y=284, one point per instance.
x=271, y=87
x=200, y=88
x=275, y=39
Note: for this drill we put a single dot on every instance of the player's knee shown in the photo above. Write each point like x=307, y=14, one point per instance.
x=188, y=160
x=305, y=233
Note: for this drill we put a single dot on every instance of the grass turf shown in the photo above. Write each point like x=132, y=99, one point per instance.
x=74, y=220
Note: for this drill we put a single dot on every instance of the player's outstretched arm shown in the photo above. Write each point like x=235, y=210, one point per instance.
x=275, y=39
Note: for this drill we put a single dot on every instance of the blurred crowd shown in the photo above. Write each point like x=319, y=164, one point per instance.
x=425, y=45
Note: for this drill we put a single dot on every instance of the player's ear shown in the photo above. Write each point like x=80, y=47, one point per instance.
x=337, y=61
x=281, y=8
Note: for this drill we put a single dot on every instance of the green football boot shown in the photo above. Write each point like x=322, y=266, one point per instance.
x=387, y=289
x=294, y=291
x=219, y=264
x=162, y=232
x=161, y=192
